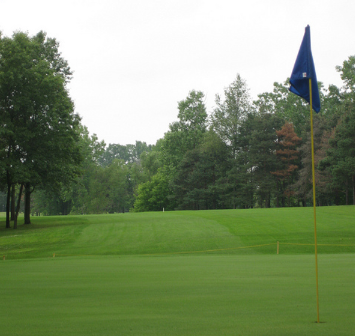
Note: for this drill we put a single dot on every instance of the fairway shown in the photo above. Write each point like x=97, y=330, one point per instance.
x=179, y=273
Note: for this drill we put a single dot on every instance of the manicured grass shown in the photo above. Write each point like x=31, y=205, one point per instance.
x=177, y=295
x=179, y=273
x=221, y=231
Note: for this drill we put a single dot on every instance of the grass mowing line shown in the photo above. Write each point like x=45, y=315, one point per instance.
x=215, y=250
x=162, y=253
x=191, y=252
x=317, y=244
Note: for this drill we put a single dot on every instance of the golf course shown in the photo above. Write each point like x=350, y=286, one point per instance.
x=216, y=272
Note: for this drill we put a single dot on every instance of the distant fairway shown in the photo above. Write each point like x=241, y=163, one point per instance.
x=179, y=273
x=221, y=231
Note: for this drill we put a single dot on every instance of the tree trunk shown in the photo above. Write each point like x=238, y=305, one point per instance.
x=346, y=193
x=8, y=180
x=27, y=203
x=13, y=202
x=277, y=193
x=268, y=200
x=18, y=206
x=8, y=203
x=336, y=199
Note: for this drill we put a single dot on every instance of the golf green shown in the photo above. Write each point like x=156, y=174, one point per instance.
x=177, y=295
x=179, y=273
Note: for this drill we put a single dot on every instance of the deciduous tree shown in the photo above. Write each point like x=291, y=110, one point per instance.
x=39, y=127
x=288, y=160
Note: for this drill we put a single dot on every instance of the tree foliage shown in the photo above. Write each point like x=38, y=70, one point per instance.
x=245, y=154
x=39, y=129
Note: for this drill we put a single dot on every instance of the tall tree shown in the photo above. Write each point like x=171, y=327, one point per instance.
x=263, y=145
x=288, y=155
x=230, y=122
x=347, y=74
x=304, y=185
x=195, y=185
x=289, y=106
x=230, y=112
x=75, y=197
x=187, y=133
x=40, y=129
x=340, y=158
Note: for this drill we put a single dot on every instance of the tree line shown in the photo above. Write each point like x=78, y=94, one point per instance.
x=242, y=154
x=256, y=154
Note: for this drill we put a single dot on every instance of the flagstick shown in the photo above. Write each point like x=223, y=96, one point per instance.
x=314, y=196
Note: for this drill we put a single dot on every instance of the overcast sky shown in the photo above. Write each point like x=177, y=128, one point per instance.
x=133, y=60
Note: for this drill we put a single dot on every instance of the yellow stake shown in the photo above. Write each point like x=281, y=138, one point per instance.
x=314, y=197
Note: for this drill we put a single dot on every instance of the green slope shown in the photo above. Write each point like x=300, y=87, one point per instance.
x=254, y=231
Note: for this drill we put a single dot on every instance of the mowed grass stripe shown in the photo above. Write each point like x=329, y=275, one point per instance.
x=153, y=234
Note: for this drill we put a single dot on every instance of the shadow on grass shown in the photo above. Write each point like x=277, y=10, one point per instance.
x=42, y=223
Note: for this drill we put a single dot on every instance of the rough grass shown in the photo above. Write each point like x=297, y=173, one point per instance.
x=179, y=273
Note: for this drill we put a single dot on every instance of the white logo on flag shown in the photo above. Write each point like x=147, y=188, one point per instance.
x=304, y=74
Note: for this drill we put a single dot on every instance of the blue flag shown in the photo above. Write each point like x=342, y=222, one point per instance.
x=303, y=70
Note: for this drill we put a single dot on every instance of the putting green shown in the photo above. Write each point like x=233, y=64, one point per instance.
x=179, y=273
x=177, y=295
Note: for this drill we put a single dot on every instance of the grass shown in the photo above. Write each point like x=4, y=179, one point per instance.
x=179, y=273
x=220, y=231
